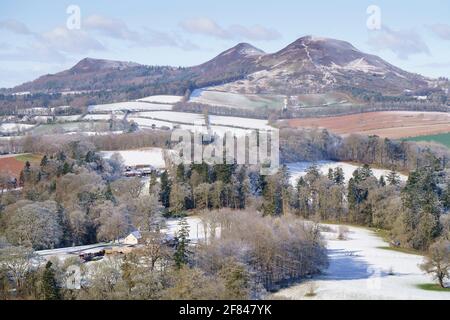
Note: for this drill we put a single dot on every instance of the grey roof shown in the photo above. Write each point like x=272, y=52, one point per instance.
x=136, y=234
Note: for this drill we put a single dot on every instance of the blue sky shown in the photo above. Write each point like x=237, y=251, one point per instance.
x=34, y=39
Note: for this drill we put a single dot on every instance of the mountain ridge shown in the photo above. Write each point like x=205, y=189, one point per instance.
x=310, y=64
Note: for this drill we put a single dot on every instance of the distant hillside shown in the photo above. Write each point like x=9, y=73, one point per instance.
x=308, y=65
x=318, y=65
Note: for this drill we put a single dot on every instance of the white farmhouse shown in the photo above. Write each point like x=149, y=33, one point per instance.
x=133, y=238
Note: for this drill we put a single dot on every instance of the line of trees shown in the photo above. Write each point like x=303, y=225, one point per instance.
x=414, y=212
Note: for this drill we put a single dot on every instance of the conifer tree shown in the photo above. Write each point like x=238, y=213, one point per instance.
x=153, y=182
x=393, y=178
x=181, y=256
x=50, y=287
x=44, y=161
x=164, y=195
x=339, y=177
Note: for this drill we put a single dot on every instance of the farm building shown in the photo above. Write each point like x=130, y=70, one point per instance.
x=138, y=171
x=133, y=238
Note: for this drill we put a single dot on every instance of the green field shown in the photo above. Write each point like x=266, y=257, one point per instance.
x=432, y=287
x=443, y=138
x=30, y=157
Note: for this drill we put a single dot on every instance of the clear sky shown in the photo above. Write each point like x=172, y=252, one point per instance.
x=35, y=39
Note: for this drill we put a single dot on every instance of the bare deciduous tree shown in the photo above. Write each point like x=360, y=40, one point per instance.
x=17, y=261
x=437, y=261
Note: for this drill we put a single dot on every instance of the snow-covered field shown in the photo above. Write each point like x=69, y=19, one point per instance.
x=162, y=99
x=299, y=169
x=221, y=130
x=143, y=157
x=93, y=133
x=239, y=122
x=68, y=118
x=42, y=119
x=196, y=228
x=219, y=124
x=14, y=127
x=172, y=116
x=8, y=138
x=130, y=106
x=360, y=269
x=149, y=123
x=97, y=117
x=235, y=100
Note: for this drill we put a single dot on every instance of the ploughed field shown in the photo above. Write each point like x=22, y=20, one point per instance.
x=386, y=124
x=11, y=165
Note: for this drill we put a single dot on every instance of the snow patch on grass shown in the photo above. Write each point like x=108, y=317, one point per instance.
x=129, y=106
x=359, y=269
x=14, y=127
x=143, y=157
x=172, y=116
x=299, y=169
x=162, y=99
x=240, y=122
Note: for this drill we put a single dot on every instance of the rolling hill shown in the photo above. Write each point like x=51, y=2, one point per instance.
x=308, y=65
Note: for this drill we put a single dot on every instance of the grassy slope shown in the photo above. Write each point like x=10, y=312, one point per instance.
x=443, y=138
x=432, y=287
x=29, y=157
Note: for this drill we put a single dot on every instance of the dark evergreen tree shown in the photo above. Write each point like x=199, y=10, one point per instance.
x=181, y=256
x=393, y=178
x=330, y=174
x=66, y=168
x=382, y=181
x=223, y=172
x=109, y=194
x=44, y=161
x=153, y=182
x=50, y=287
x=339, y=177
x=90, y=156
x=164, y=195
x=180, y=177
x=365, y=172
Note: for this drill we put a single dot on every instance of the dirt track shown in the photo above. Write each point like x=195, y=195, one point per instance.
x=389, y=124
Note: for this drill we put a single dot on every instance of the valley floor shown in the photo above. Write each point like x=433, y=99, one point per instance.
x=361, y=269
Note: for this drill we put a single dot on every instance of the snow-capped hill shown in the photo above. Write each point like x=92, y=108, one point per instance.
x=238, y=54
x=310, y=64
x=236, y=62
x=317, y=64
x=90, y=65
x=248, y=50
